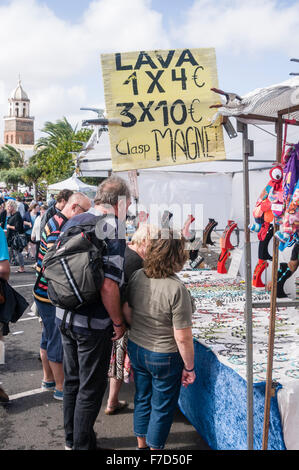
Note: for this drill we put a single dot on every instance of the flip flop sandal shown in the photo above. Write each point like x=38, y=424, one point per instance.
x=120, y=406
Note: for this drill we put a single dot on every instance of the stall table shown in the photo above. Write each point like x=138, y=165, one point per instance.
x=216, y=403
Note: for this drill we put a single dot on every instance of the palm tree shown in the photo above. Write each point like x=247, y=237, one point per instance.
x=58, y=132
x=13, y=177
x=54, y=150
x=15, y=156
x=4, y=161
x=31, y=176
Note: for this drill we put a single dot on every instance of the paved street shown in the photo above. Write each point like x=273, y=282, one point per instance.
x=33, y=419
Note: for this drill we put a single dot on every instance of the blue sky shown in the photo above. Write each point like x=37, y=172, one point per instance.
x=72, y=10
x=56, y=44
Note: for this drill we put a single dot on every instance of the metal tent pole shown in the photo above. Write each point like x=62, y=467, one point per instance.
x=248, y=151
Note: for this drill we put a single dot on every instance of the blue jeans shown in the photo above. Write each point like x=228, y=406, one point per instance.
x=51, y=337
x=157, y=378
x=86, y=362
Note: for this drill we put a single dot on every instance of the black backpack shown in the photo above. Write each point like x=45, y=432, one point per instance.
x=73, y=267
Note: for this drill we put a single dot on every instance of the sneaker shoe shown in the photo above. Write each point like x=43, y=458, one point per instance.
x=58, y=395
x=48, y=385
x=67, y=448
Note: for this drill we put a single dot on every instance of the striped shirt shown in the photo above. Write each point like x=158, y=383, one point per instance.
x=49, y=236
x=113, y=267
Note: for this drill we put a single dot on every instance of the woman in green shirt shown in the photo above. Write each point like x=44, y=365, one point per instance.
x=160, y=346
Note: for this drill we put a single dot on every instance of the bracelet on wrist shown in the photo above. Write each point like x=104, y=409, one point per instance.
x=189, y=370
x=117, y=326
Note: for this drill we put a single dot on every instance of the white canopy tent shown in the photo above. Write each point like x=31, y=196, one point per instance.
x=200, y=183
x=265, y=102
x=181, y=184
x=74, y=184
x=95, y=160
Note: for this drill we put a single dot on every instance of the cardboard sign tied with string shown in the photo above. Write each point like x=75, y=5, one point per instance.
x=163, y=101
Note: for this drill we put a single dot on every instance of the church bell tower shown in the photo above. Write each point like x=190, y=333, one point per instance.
x=18, y=125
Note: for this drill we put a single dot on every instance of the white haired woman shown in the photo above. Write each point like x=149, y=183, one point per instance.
x=29, y=219
x=15, y=228
x=120, y=367
x=160, y=346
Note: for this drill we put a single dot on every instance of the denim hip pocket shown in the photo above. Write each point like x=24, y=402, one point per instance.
x=160, y=368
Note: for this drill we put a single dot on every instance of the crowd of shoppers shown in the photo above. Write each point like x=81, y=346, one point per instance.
x=139, y=330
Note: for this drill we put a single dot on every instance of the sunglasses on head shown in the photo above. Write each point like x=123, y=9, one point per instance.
x=82, y=208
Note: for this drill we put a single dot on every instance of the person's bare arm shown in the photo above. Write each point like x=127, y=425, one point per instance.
x=184, y=343
x=127, y=311
x=111, y=299
x=4, y=269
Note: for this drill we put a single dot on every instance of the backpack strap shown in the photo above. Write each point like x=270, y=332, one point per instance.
x=63, y=329
x=38, y=278
x=89, y=320
x=71, y=280
x=72, y=314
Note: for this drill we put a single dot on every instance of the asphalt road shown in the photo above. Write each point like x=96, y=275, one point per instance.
x=33, y=419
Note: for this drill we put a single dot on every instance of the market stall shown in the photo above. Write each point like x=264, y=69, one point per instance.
x=216, y=403
x=276, y=104
x=251, y=408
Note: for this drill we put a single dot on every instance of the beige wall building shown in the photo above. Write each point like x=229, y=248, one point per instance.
x=18, y=124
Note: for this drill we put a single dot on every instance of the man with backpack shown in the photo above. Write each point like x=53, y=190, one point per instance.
x=87, y=332
x=51, y=351
x=61, y=200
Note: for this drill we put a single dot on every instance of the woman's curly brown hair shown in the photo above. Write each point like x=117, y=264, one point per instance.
x=165, y=256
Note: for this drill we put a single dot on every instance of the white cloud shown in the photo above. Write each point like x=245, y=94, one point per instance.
x=56, y=49
x=52, y=54
x=37, y=42
x=3, y=95
x=117, y=25
x=59, y=62
x=241, y=27
x=56, y=101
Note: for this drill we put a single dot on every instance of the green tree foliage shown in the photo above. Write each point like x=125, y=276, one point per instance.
x=4, y=161
x=54, y=152
x=11, y=166
x=13, y=177
x=15, y=156
x=53, y=161
x=31, y=174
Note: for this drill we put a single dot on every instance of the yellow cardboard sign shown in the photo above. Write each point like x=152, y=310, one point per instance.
x=163, y=100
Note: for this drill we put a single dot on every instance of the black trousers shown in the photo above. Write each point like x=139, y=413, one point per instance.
x=86, y=362
x=37, y=250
